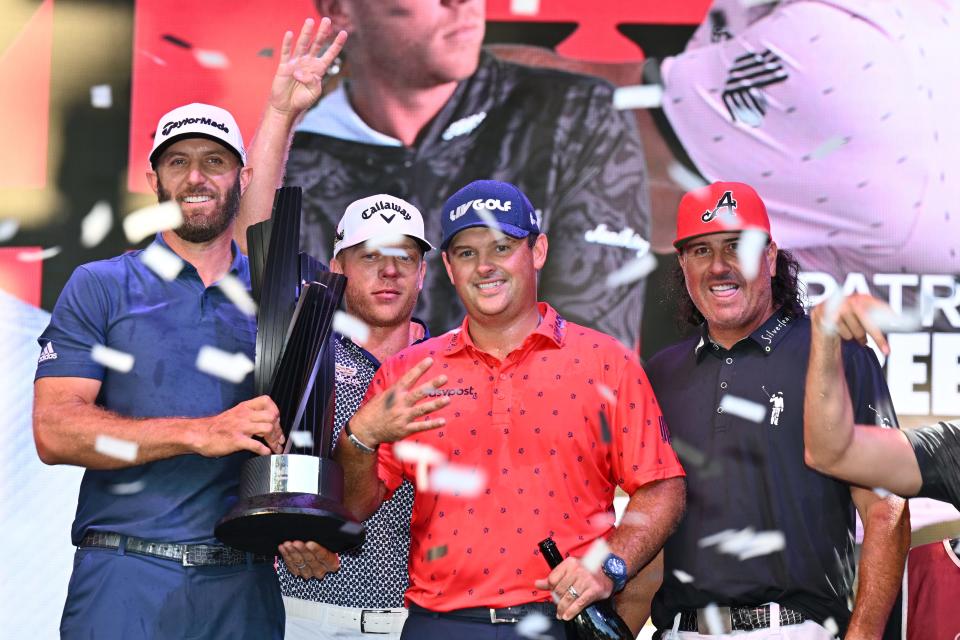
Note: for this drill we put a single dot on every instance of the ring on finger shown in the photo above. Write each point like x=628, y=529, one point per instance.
x=301, y=565
x=573, y=592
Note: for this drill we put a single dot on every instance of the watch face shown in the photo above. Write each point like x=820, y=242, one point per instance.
x=615, y=565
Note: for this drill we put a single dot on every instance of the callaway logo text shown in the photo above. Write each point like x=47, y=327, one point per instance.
x=489, y=204
x=170, y=126
x=380, y=206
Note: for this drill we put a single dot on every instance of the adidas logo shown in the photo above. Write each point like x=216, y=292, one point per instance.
x=47, y=353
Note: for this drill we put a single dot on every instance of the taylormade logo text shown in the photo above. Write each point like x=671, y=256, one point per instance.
x=170, y=126
x=490, y=204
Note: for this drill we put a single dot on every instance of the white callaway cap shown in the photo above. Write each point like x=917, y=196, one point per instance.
x=197, y=120
x=381, y=218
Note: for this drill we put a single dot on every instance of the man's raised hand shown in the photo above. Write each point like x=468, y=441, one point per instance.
x=297, y=84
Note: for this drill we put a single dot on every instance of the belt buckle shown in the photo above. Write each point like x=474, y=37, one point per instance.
x=185, y=558
x=363, y=620
x=495, y=620
x=726, y=621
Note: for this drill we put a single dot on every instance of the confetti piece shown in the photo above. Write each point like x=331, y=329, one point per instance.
x=746, y=543
x=533, y=625
x=831, y=626
x=524, y=7
x=101, y=96
x=764, y=543
x=232, y=367
x=150, y=220
x=462, y=481
x=828, y=147
x=161, y=261
x=490, y=221
x=238, y=294
x=684, y=177
x=126, y=488
x=96, y=224
x=689, y=455
x=828, y=321
x=634, y=270
x=634, y=519
x=607, y=393
x=351, y=528
x=35, y=255
x=604, y=429
x=889, y=321
x=750, y=248
x=211, y=59
x=392, y=252
x=711, y=615
x=595, y=555
x=116, y=448
x=883, y=493
x=8, y=229
x=111, y=358
x=384, y=240
x=301, y=439
x=640, y=96
x=156, y=59
x=352, y=327
x=746, y=409
x=421, y=455
x=177, y=41
x=436, y=553
x=682, y=576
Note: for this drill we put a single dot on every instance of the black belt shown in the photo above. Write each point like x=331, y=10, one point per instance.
x=189, y=555
x=491, y=616
x=738, y=618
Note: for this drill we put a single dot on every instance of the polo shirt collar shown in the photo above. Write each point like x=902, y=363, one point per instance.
x=553, y=328
x=767, y=336
x=238, y=266
x=346, y=341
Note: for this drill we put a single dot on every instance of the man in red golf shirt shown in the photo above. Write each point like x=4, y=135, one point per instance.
x=534, y=422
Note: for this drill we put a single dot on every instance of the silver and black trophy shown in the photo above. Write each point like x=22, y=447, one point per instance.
x=296, y=495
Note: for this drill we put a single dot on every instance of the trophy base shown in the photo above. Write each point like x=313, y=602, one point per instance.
x=260, y=523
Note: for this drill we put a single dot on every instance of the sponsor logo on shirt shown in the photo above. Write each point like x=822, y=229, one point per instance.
x=770, y=334
x=626, y=238
x=742, y=94
x=491, y=204
x=47, y=353
x=776, y=401
x=463, y=391
x=346, y=375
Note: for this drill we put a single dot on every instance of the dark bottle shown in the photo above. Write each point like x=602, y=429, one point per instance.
x=599, y=621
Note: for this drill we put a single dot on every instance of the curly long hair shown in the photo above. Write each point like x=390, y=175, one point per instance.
x=784, y=283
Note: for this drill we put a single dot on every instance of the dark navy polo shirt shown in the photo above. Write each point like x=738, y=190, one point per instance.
x=743, y=474
x=122, y=304
x=937, y=448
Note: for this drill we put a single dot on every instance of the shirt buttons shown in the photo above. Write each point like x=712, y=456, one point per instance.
x=723, y=385
x=729, y=360
x=719, y=409
x=767, y=349
x=503, y=376
x=715, y=346
x=407, y=163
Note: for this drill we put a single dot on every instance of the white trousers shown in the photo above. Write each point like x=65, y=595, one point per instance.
x=308, y=620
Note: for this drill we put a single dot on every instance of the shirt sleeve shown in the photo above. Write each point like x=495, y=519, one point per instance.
x=937, y=449
x=601, y=190
x=79, y=321
x=869, y=394
x=641, y=440
x=389, y=469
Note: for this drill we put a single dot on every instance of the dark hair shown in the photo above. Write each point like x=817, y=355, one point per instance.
x=784, y=284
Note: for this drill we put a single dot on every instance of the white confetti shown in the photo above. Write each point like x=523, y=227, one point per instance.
x=156, y=59
x=116, y=448
x=96, y=224
x=595, y=555
x=384, y=240
x=828, y=147
x=828, y=321
x=111, y=358
x=750, y=249
x=742, y=408
x=640, y=96
x=238, y=294
x=211, y=59
x=351, y=327
x=682, y=576
x=684, y=177
x=634, y=270
x=421, y=455
x=831, y=626
x=101, y=96
x=147, y=221
x=161, y=261
x=126, y=488
x=36, y=255
x=490, y=221
x=462, y=481
x=711, y=615
x=746, y=543
x=634, y=519
x=392, y=252
x=607, y=393
x=8, y=229
x=533, y=626
x=351, y=528
x=763, y=543
x=524, y=7
x=301, y=439
x=882, y=493
x=889, y=321
x=232, y=367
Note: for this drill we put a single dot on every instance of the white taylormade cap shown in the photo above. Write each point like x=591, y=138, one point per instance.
x=198, y=120
x=380, y=218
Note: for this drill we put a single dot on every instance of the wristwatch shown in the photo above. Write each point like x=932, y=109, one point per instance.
x=616, y=569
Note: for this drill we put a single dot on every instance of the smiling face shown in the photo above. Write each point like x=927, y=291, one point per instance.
x=733, y=307
x=495, y=278
x=382, y=290
x=206, y=180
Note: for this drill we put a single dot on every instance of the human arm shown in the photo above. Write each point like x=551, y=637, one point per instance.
x=650, y=516
x=833, y=443
x=297, y=85
x=634, y=602
x=886, y=541
x=67, y=421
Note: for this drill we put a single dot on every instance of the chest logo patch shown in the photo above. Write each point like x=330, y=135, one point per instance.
x=344, y=374
x=776, y=403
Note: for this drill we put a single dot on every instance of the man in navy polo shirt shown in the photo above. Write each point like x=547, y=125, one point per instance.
x=147, y=564
x=746, y=475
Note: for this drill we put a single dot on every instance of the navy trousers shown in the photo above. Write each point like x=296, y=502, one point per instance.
x=115, y=595
x=422, y=625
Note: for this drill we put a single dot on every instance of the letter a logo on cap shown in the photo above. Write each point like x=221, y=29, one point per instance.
x=727, y=202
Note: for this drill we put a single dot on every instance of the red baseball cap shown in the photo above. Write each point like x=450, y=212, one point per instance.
x=718, y=208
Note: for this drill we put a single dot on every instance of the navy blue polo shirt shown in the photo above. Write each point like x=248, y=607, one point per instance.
x=753, y=475
x=120, y=303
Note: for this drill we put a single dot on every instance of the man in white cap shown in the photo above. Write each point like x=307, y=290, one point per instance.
x=380, y=247
x=162, y=442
